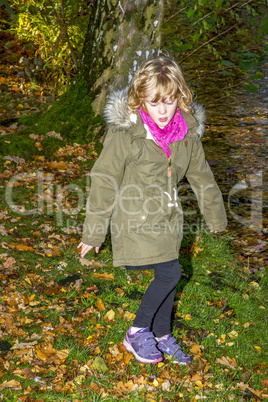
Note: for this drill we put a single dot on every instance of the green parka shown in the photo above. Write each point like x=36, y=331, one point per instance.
x=134, y=188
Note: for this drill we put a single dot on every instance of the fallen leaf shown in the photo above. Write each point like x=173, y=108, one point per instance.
x=20, y=247
x=109, y=315
x=100, y=305
x=60, y=166
x=99, y=364
x=264, y=382
x=254, y=284
x=227, y=361
x=10, y=384
x=233, y=334
x=91, y=263
x=195, y=249
x=108, y=277
x=129, y=316
x=196, y=349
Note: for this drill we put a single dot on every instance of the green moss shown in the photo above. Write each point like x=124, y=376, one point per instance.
x=71, y=116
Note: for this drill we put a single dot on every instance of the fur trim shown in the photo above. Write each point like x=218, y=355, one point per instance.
x=116, y=112
x=200, y=116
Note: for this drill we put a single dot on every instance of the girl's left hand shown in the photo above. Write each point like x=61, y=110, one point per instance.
x=85, y=249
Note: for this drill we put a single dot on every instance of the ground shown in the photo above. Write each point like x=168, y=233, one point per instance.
x=63, y=319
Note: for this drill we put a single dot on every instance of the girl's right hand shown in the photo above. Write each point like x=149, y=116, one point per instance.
x=85, y=249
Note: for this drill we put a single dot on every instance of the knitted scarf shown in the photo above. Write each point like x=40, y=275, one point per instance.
x=175, y=130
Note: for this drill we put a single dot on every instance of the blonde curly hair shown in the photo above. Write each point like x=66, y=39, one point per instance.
x=163, y=77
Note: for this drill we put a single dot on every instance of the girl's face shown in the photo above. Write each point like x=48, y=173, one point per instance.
x=161, y=112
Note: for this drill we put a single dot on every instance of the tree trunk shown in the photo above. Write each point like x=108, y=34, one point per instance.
x=121, y=35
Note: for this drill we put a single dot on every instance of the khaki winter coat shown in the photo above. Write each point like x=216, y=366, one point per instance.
x=134, y=188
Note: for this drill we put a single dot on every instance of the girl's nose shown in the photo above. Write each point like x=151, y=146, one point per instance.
x=162, y=108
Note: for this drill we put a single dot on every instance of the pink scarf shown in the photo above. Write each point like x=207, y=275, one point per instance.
x=175, y=130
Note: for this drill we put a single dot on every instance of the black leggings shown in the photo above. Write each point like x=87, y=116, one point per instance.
x=157, y=303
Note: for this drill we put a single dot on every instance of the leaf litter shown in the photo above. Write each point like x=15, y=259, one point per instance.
x=53, y=321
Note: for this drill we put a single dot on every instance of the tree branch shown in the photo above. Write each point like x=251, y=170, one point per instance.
x=170, y=18
x=207, y=42
x=63, y=26
x=67, y=36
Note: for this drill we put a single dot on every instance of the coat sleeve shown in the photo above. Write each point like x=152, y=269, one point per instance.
x=106, y=176
x=208, y=194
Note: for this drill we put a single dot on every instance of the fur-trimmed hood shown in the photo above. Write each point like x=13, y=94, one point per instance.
x=116, y=113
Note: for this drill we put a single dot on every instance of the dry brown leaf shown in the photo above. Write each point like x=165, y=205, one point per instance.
x=94, y=386
x=264, y=383
x=227, y=361
x=91, y=263
x=60, y=166
x=10, y=384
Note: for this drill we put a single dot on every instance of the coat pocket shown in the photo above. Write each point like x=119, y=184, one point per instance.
x=141, y=206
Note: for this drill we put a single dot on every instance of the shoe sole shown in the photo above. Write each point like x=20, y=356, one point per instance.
x=129, y=348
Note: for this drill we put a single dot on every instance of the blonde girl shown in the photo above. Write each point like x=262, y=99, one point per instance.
x=152, y=142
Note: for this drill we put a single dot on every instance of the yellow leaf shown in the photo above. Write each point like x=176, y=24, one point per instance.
x=28, y=321
x=247, y=324
x=254, y=284
x=100, y=305
x=233, y=334
x=96, y=351
x=109, y=315
x=41, y=355
x=120, y=292
x=199, y=384
x=257, y=348
x=129, y=316
x=187, y=317
x=223, y=336
x=62, y=354
x=106, y=276
x=196, y=349
x=196, y=249
x=20, y=247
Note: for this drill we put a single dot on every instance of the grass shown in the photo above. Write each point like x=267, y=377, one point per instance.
x=220, y=312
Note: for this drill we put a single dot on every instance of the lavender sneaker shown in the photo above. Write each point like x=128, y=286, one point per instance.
x=143, y=346
x=169, y=346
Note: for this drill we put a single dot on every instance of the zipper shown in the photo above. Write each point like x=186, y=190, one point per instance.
x=169, y=183
x=169, y=167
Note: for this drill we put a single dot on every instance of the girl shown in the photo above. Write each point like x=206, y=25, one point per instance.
x=153, y=141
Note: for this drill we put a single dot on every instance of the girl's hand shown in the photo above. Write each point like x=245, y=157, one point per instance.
x=85, y=249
